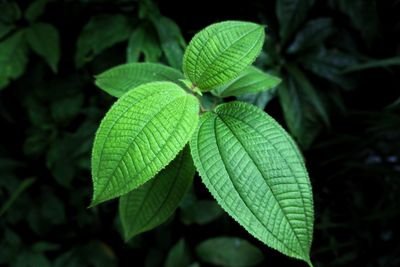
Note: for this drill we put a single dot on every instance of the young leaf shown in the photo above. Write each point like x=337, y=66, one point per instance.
x=43, y=38
x=291, y=13
x=229, y=252
x=13, y=58
x=178, y=256
x=220, y=52
x=143, y=41
x=256, y=173
x=141, y=133
x=251, y=80
x=154, y=202
x=100, y=33
x=171, y=39
x=35, y=9
x=313, y=34
x=119, y=80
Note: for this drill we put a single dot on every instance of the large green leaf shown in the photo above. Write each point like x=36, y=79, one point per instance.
x=13, y=58
x=291, y=13
x=229, y=252
x=118, y=80
x=143, y=41
x=252, y=80
x=141, y=133
x=171, y=39
x=43, y=38
x=256, y=173
x=154, y=202
x=100, y=33
x=220, y=52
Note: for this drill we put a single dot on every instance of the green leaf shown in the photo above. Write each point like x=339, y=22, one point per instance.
x=178, y=256
x=171, y=39
x=256, y=173
x=13, y=58
x=251, y=80
x=141, y=133
x=10, y=12
x=229, y=252
x=44, y=39
x=299, y=113
x=220, y=52
x=379, y=63
x=260, y=99
x=100, y=33
x=329, y=65
x=291, y=13
x=143, y=41
x=309, y=92
x=362, y=14
x=312, y=35
x=5, y=29
x=154, y=202
x=119, y=80
x=201, y=212
x=35, y=9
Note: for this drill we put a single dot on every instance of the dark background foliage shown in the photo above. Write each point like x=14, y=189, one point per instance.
x=339, y=100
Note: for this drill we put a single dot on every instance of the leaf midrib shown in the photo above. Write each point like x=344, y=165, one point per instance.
x=238, y=191
x=284, y=159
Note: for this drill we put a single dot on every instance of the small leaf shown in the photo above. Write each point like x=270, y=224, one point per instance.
x=100, y=33
x=141, y=133
x=171, y=39
x=178, y=256
x=10, y=12
x=256, y=173
x=35, y=9
x=119, y=80
x=143, y=41
x=44, y=39
x=13, y=58
x=251, y=80
x=220, y=52
x=312, y=34
x=154, y=202
x=229, y=252
x=291, y=13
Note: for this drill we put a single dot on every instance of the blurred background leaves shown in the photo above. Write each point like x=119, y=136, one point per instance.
x=340, y=99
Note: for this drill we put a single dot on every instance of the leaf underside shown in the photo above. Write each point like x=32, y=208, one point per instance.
x=141, y=133
x=221, y=51
x=119, y=80
x=254, y=170
x=154, y=202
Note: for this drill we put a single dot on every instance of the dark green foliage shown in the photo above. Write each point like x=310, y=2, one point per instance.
x=339, y=97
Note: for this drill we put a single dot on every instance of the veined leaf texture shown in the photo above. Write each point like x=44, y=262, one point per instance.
x=254, y=170
x=154, y=202
x=141, y=133
x=119, y=80
x=220, y=52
